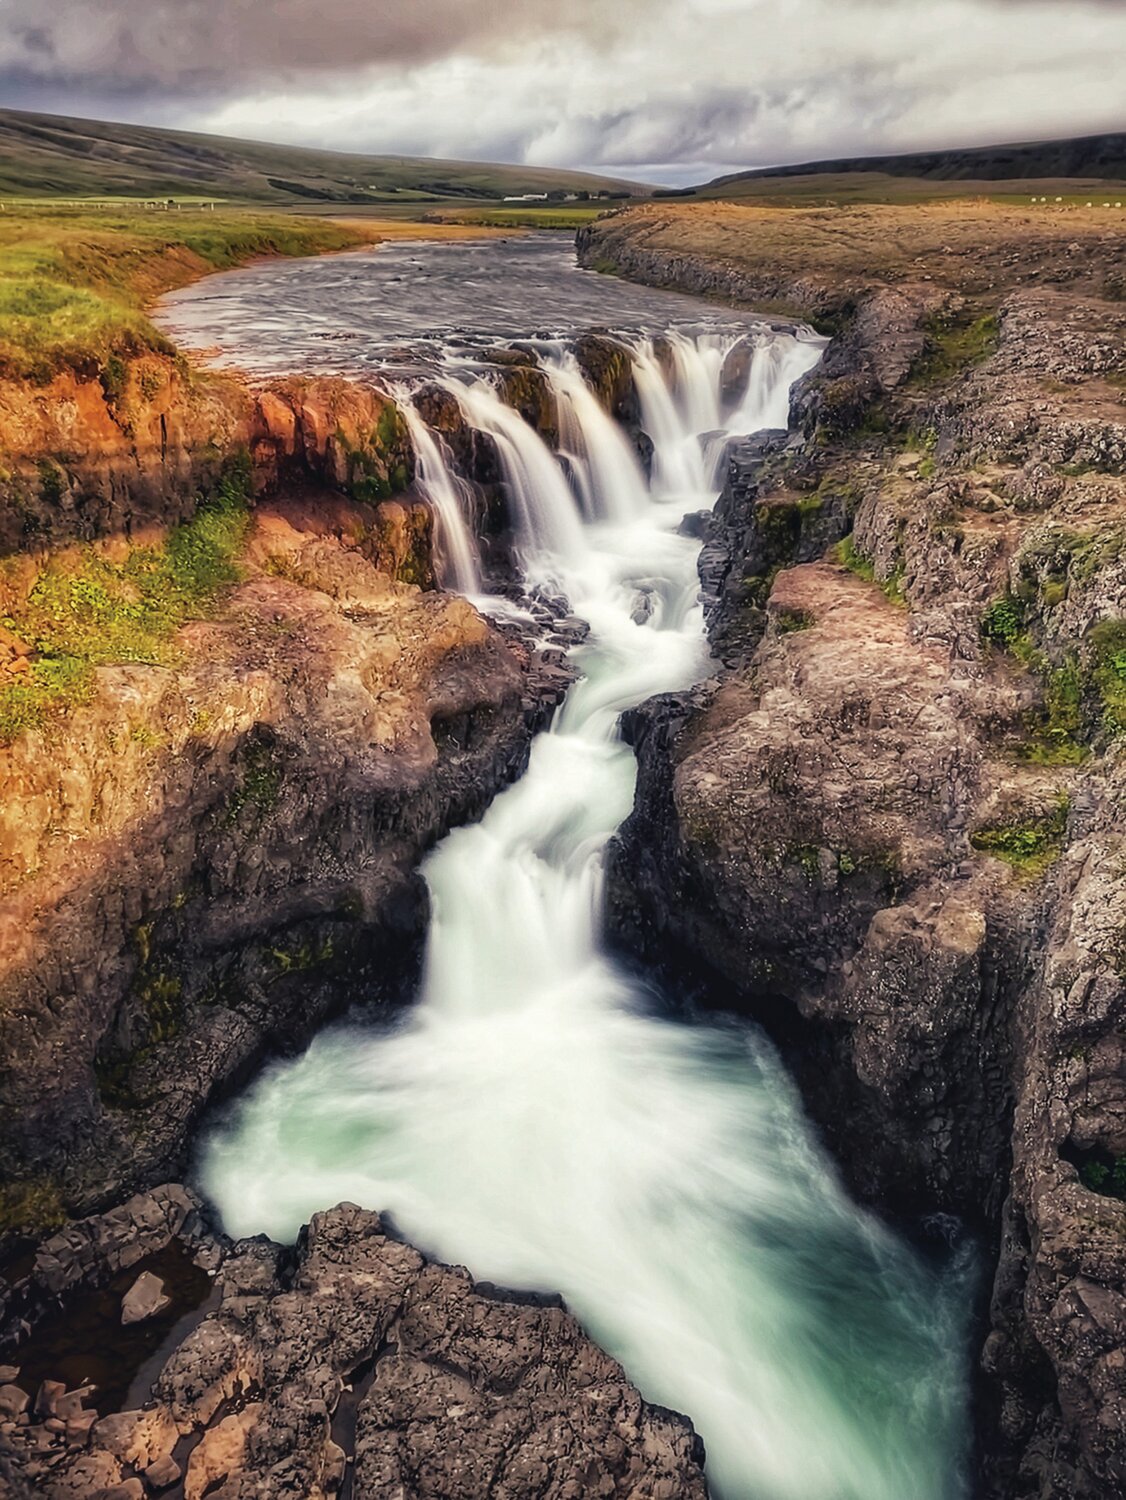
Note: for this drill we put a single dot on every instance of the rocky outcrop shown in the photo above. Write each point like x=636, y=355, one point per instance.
x=348, y=1361
x=889, y=826
x=85, y=458
x=208, y=858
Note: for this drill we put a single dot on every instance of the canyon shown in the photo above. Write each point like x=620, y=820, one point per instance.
x=887, y=827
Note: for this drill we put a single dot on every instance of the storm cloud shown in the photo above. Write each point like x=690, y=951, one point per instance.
x=665, y=89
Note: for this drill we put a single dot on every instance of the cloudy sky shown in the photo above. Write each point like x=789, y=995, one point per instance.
x=662, y=90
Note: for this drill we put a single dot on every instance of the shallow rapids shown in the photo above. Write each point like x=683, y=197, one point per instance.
x=539, y=1117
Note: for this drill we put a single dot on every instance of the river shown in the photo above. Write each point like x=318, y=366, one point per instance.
x=540, y=1115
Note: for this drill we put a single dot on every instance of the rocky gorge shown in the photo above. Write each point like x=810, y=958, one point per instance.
x=211, y=845
x=888, y=826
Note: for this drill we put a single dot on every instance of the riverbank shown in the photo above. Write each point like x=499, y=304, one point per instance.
x=890, y=824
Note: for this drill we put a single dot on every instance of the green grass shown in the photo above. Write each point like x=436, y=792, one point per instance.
x=790, y=621
x=1068, y=688
x=954, y=345
x=849, y=556
x=1108, y=661
x=85, y=611
x=74, y=285
x=1029, y=848
x=48, y=156
x=566, y=217
x=31, y=1207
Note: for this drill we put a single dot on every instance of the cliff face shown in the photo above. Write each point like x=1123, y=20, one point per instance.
x=891, y=825
x=91, y=457
x=208, y=857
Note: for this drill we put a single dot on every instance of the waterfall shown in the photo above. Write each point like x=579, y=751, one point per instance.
x=459, y=566
x=539, y=1116
x=604, y=466
x=545, y=514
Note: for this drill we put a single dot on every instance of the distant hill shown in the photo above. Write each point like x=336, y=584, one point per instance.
x=51, y=156
x=1092, y=157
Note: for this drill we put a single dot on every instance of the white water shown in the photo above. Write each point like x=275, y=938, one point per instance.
x=450, y=497
x=538, y=1119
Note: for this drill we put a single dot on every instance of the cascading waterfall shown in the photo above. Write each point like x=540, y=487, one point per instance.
x=450, y=497
x=604, y=469
x=538, y=1118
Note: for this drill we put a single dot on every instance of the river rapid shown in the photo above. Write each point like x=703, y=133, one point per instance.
x=539, y=1114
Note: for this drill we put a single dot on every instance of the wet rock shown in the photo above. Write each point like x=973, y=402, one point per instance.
x=145, y=1299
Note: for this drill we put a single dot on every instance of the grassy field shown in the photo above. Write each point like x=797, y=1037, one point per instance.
x=977, y=247
x=74, y=285
x=563, y=216
x=50, y=156
x=817, y=190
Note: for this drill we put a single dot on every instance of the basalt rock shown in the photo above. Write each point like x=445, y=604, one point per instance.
x=349, y=1356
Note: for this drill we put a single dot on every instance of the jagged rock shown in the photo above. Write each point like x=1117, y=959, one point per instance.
x=455, y=1389
x=162, y=1474
x=14, y=1401
x=49, y=1393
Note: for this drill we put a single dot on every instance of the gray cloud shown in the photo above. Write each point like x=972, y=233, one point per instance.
x=670, y=90
x=216, y=46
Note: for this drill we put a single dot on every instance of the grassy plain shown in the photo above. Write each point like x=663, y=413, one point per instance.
x=976, y=246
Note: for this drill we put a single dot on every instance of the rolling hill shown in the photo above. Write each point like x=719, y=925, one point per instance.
x=52, y=156
x=1090, y=164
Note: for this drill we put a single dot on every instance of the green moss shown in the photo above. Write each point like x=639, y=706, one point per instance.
x=302, y=958
x=259, y=785
x=1028, y=847
x=954, y=344
x=780, y=524
x=1105, y=1177
x=757, y=587
x=114, y=378
x=849, y=556
x=788, y=621
x=807, y=857
x=378, y=468
x=32, y=1207
x=1054, y=734
x=1107, y=642
x=89, y=613
x=162, y=999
